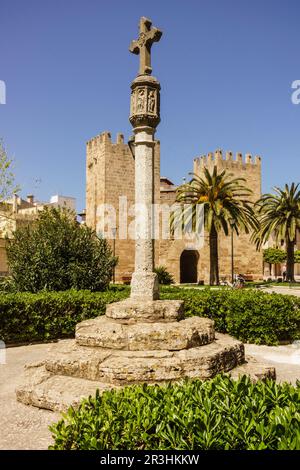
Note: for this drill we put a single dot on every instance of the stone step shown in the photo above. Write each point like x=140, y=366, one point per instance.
x=45, y=390
x=129, y=310
x=55, y=392
x=107, y=333
x=256, y=370
x=125, y=367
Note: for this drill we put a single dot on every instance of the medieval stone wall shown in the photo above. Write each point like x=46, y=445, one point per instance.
x=246, y=259
x=110, y=174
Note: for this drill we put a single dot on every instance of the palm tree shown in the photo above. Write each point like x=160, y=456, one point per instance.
x=279, y=216
x=226, y=205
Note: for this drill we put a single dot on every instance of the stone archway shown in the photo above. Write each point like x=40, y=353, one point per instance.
x=189, y=266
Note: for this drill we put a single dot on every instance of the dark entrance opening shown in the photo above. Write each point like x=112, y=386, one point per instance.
x=188, y=266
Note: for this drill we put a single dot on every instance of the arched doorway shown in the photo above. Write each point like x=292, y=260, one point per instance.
x=188, y=266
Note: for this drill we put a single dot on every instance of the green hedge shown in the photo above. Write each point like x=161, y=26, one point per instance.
x=50, y=315
x=216, y=414
x=249, y=315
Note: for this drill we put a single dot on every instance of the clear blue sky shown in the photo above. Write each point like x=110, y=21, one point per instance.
x=225, y=66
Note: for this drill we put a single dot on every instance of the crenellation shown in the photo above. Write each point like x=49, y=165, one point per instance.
x=257, y=160
x=239, y=157
x=210, y=157
x=218, y=158
x=203, y=161
x=105, y=136
x=120, y=138
x=248, y=158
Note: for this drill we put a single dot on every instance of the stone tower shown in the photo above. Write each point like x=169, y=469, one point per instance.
x=247, y=260
x=110, y=181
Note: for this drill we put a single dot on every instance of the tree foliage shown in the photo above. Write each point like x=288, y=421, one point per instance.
x=226, y=206
x=279, y=216
x=274, y=255
x=56, y=253
x=7, y=177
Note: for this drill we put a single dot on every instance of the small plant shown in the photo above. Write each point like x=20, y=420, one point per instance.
x=219, y=414
x=164, y=277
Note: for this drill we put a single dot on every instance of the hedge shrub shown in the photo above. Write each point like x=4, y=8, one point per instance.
x=50, y=315
x=250, y=315
x=216, y=414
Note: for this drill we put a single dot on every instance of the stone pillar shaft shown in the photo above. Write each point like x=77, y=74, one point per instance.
x=144, y=198
x=144, y=285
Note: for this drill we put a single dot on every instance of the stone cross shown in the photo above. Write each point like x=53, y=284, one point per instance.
x=143, y=45
x=144, y=118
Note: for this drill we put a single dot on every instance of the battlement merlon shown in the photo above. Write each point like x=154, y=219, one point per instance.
x=218, y=158
x=105, y=137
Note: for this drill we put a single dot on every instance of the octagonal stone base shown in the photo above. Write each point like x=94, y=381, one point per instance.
x=135, y=342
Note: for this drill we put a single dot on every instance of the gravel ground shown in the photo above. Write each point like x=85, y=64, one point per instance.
x=24, y=427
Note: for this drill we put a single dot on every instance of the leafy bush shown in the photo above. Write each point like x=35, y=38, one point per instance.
x=250, y=315
x=56, y=253
x=217, y=414
x=164, y=277
x=49, y=315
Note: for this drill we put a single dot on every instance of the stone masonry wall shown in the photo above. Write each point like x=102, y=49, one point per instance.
x=110, y=174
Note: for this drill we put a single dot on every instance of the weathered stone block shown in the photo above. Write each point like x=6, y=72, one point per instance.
x=129, y=310
x=107, y=333
x=144, y=286
x=121, y=367
x=256, y=370
x=54, y=392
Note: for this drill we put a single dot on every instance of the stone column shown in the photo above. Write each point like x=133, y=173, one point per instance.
x=144, y=117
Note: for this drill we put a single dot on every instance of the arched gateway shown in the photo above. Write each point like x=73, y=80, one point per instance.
x=189, y=266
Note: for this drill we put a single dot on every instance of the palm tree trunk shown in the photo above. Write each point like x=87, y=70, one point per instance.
x=213, y=257
x=290, y=260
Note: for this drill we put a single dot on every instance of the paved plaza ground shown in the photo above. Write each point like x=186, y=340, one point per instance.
x=24, y=427
x=283, y=290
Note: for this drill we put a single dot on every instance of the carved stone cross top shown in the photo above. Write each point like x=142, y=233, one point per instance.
x=143, y=44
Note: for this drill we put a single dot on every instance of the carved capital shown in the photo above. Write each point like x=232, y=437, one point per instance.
x=145, y=102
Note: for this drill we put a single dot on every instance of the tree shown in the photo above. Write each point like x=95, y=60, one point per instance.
x=279, y=216
x=7, y=177
x=226, y=205
x=56, y=253
x=274, y=256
